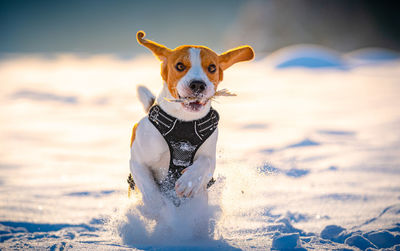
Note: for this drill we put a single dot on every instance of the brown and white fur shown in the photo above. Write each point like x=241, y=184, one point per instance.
x=187, y=71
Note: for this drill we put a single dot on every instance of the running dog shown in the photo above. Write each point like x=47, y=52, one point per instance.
x=173, y=148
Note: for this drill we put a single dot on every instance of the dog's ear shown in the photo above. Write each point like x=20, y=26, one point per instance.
x=239, y=54
x=159, y=50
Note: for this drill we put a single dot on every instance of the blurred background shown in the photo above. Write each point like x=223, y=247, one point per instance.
x=317, y=141
x=109, y=27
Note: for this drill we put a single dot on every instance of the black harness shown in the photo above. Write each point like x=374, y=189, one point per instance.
x=184, y=138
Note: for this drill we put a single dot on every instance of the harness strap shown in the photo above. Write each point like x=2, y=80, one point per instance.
x=184, y=138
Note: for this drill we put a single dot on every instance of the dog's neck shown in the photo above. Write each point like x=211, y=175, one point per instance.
x=176, y=109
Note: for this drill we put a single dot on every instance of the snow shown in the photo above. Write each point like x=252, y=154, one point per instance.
x=306, y=158
x=360, y=242
x=383, y=239
x=371, y=56
x=307, y=56
x=286, y=241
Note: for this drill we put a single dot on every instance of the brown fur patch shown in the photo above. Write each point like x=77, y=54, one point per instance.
x=239, y=54
x=209, y=57
x=180, y=54
x=133, y=133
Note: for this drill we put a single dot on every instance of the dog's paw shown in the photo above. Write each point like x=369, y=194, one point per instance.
x=190, y=183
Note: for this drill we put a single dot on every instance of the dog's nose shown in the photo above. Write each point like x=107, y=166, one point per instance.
x=197, y=86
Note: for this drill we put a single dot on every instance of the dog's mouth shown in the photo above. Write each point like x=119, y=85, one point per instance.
x=194, y=104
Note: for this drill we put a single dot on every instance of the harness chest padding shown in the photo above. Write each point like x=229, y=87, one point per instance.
x=184, y=138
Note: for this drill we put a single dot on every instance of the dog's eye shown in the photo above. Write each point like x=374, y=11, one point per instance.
x=180, y=67
x=212, y=68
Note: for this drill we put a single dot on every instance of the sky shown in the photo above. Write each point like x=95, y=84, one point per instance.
x=109, y=27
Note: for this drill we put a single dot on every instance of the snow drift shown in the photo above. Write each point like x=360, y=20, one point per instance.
x=306, y=158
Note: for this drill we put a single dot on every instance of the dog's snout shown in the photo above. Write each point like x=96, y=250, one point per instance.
x=197, y=86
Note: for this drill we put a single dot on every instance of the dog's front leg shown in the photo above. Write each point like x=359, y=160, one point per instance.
x=144, y=180
x=195, y=177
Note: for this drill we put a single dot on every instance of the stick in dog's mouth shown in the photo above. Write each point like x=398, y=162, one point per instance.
x=202, y=100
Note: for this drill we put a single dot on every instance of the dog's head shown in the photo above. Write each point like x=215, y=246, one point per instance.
x=194, y=72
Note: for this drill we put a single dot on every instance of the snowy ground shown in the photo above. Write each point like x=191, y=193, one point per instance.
x=299, y=149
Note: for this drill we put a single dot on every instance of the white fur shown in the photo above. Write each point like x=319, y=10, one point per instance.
x=150, y=153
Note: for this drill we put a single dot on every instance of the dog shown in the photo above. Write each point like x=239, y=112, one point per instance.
x=173, y=148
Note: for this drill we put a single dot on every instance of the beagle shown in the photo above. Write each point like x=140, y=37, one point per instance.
x=173, y=148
